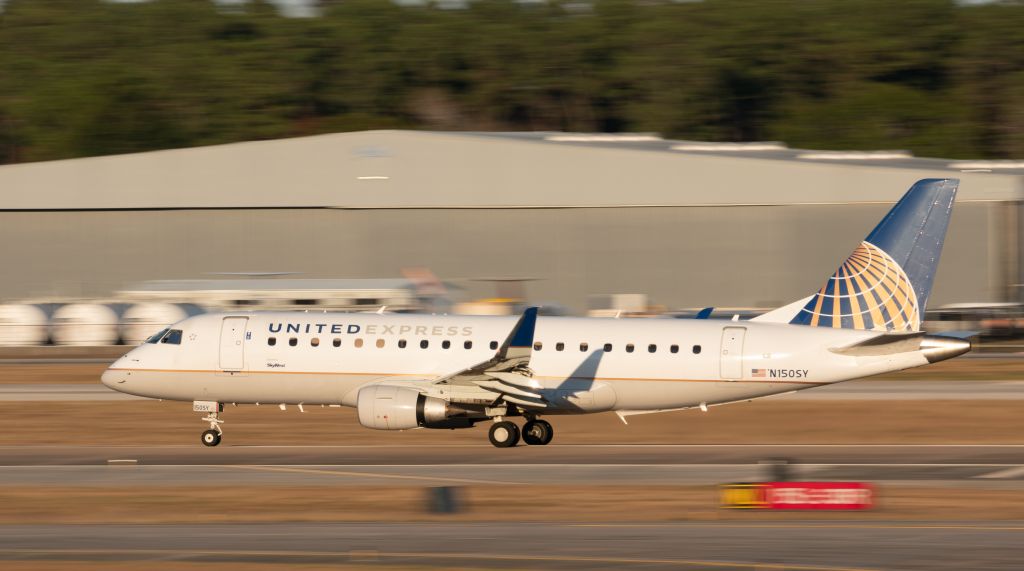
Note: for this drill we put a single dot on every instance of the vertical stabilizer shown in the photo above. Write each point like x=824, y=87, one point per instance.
x=885, y=283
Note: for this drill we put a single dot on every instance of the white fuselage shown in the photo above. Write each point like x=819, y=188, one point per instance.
x=325, y=358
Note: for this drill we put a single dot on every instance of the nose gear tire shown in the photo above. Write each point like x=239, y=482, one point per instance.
x=211, y=438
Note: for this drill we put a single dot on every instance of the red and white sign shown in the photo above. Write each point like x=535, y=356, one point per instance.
x=799, y=496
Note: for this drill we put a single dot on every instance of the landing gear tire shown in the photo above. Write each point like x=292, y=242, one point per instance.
x=504, y=434
x=211, y=438
x=538, y=432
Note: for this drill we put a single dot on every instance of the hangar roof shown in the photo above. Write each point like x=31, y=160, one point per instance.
x=422, y=169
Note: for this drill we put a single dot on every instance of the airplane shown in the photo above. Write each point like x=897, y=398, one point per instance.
x=406, y=371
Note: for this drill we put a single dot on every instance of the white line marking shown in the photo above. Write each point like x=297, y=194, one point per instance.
x=531, y=466
x=1005, y=474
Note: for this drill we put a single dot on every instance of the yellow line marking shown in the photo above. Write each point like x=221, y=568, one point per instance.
x=439, y=555
x=366, y=474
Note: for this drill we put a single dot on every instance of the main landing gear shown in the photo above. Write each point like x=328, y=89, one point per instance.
x=505, y=434
x=538, y=432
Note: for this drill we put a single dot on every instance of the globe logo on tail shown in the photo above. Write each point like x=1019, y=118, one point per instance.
x=870, y=291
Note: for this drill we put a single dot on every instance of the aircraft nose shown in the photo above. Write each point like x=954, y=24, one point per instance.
x=115, y=376
x=111, y=378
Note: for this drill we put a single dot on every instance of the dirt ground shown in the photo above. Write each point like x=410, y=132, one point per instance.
x=225, y=504
x=760, y=422
x=51, y=373
x=71, y=565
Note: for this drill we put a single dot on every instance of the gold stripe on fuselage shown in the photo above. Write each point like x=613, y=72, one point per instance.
x=430, y=377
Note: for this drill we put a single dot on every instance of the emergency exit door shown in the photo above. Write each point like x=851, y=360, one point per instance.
x=232, y=343
x=732, y=352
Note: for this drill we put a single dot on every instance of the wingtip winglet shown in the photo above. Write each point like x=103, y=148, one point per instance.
x=523, y=336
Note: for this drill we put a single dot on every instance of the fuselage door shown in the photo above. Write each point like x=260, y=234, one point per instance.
x=732, y=352
x=232, y=343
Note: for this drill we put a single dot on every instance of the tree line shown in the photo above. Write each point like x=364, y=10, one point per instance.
x=89, y=77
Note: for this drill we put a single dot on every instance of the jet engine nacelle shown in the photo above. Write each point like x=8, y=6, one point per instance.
x=385, y=407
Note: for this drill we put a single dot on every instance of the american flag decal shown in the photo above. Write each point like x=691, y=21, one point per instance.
x=758, y=373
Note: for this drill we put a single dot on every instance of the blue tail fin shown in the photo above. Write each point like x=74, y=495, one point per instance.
x=884, y=285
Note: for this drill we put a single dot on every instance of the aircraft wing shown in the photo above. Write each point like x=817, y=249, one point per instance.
x=508, y=372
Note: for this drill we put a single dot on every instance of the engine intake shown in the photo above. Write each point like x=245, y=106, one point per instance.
x=385, y=407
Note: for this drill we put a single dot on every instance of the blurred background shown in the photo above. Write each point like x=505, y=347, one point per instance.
x=167, y=157
x=633, y=158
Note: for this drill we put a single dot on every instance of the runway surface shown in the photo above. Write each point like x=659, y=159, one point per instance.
x=626, y=465
x=852, y=390
x=808, y=545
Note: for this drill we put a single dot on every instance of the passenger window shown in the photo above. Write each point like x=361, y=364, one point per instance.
x=173, y=337
x=559, y=346
x=607, y=347
x=629, y=348
x=271, y=341
x=315, y=341
x=424, y=344
x=446, y=344
x=583, y=346
x=380, y=343
x=156, y=337
x=674, y=348
x=652, y=348
x=696, y=349
x=359, y=343
x=293, y=342
x=401, y=343
x=468, y=344
x=494, y=345
x=538, y=346
x=337, y=342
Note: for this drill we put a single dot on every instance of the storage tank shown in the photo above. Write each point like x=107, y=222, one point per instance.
x=142, y=320
x=23, y=324
x=85, y=324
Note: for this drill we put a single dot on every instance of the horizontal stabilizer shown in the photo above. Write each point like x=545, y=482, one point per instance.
x=885, y=344
x=957, y=334
x=934, y=348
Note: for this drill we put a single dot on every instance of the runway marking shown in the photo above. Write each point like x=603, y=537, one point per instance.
x=440, y=555
x=9, y=447
x=364, y=474
x=641, y=445
x=1005, y=474
x=754, y=465
x=816, y=525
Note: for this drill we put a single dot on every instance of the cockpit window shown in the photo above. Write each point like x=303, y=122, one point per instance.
x=173, y=337
x=156, y=336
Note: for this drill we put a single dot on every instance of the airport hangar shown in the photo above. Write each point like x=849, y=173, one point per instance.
x=690, y=224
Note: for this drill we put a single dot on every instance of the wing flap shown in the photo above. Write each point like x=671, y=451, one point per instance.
x=507, y=373
x=507, y=389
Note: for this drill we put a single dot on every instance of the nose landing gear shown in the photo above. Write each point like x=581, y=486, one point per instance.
x=212, y=436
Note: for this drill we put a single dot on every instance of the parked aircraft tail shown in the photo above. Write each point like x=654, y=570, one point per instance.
x=885, y=283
